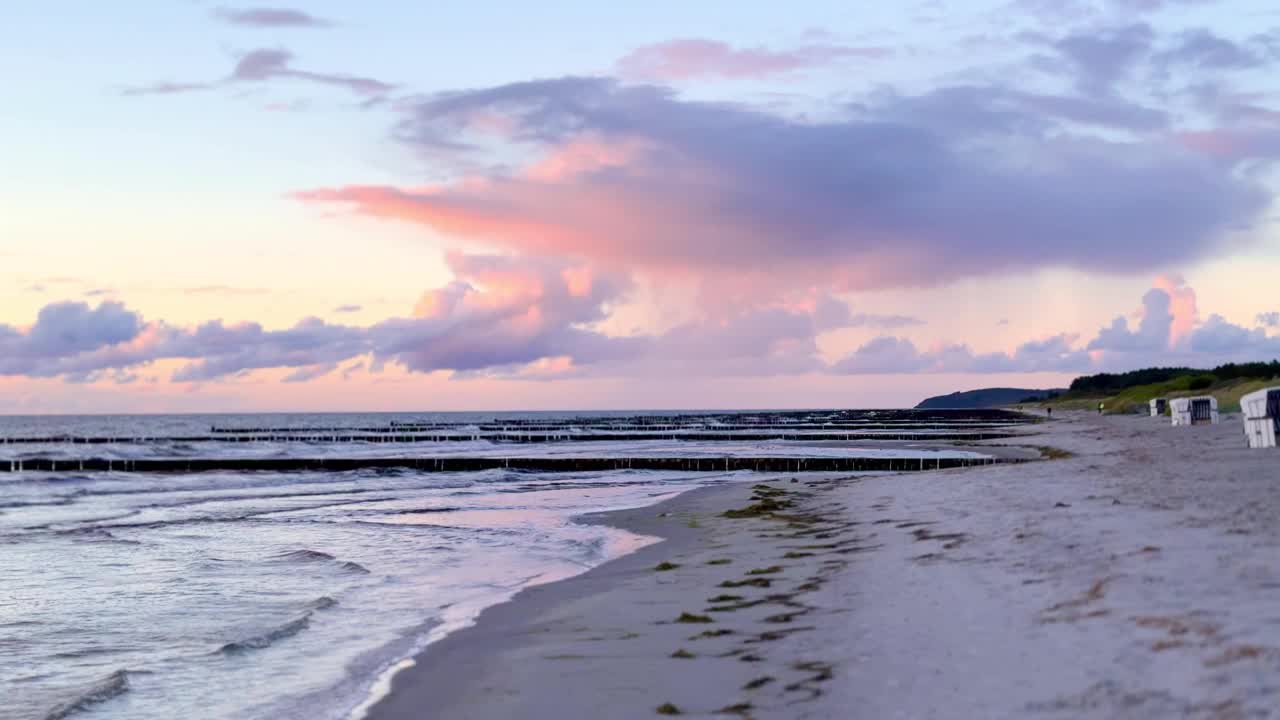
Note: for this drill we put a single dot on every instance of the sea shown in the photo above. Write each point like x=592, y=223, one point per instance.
x=295, y=594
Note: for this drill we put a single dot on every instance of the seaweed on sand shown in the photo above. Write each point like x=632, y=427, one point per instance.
x=686, y=617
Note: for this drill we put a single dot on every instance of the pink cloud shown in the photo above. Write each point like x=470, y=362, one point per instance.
x=540, y=318
x=1182, y=306
x=1233, y=144
x=902, y=192
x=690, y=58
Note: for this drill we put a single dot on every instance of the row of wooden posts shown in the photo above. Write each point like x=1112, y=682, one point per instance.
x=473, y=464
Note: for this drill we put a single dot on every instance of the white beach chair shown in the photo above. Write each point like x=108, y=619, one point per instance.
x=1200, y=410
x=1261, y=412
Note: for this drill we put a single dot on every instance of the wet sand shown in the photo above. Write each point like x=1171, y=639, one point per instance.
x=1138, y=578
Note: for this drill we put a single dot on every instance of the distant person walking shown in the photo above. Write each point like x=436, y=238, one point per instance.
x=1050, y=411
x=1100, y=407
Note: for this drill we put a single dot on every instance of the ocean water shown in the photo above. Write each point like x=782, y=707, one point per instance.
x=283, y=595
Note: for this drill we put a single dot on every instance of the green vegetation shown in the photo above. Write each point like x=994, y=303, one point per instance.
x=668, y=709
x=1132, y=391
x=665, y=566
x=1111, y=383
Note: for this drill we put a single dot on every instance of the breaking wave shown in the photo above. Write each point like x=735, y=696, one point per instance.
x=310, y=556
x=257, y=642
x=323, y=602
x=306, y=556
x=114, y=684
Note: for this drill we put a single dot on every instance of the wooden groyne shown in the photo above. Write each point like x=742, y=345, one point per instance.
x=518, y=438
x=473, y=464
x=637, y=427
x=764, y=417
x=776, y=420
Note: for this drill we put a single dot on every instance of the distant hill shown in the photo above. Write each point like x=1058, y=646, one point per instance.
x=985, y=398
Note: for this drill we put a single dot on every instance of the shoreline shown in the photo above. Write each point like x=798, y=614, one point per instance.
x=488, y=632
x=1134, y=578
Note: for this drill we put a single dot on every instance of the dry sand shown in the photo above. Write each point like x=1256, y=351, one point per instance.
x=1139, y=578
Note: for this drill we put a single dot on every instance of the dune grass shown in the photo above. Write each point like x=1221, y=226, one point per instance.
x=1136, y=399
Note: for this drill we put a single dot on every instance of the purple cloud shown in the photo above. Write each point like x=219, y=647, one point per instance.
x=1106, y=56
x=502, y=313
x=887, y=195
x=1220, y=338
x=1168, y=333
x=1156, y=5
x=501, y=316
x=534, y=318
x=883, y=355
x=1206, y=50
x=267, y=64
x=270, y=64
x=1080, y=10
x=893, y=355
x=889, y=322
x=692, y=58
x=63, y=332
x=220, y=350
x=166, y=88
x=1153, y=333
x=267, y=17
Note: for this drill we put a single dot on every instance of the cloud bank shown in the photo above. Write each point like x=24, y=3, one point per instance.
x=538, y=318
x=898, y=191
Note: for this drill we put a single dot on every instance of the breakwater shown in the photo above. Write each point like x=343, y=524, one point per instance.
x=514, y=437
x=472, y=464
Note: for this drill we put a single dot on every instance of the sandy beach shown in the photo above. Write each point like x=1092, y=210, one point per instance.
x=1138, y=577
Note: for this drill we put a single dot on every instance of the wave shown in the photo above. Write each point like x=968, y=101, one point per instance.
x=416, y=511
x=92, y=652
x=117, y=683
x=257, y=642
x=94, y=534
x=309, y=556
x=324, y=602
x=306, y=556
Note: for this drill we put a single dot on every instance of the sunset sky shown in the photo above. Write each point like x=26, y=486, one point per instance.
x=579, y=205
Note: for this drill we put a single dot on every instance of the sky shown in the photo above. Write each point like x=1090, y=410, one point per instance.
x=329, y=206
